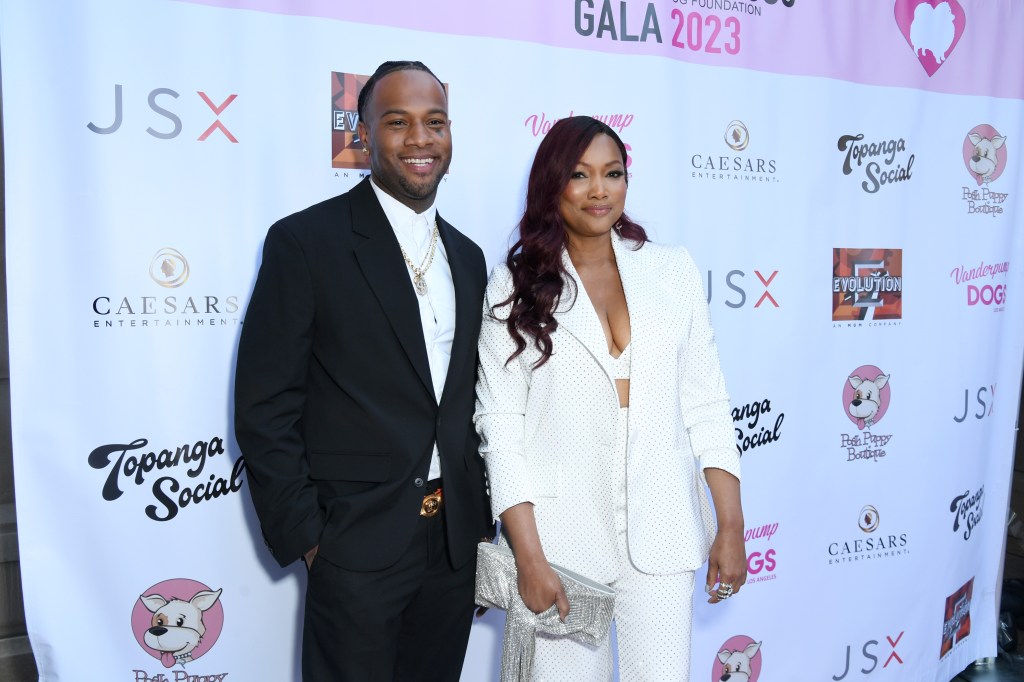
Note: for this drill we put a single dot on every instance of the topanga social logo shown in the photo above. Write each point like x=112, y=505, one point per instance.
x=985, y=156
x=177, y=622
x=932, y=28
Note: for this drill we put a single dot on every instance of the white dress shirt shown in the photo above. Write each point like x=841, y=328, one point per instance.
x=437, y=308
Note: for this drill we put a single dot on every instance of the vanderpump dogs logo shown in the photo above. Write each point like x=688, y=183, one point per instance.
x=880, y=162
x=178, y=475
x=867, y=287
x=985, y=155
x=984, y=285
x=163, y=300
x=956, y=625
x=346, y=147
x=872, y=543
x=762, y=560
x=756, y=425
x=177, y=622
x=866, y=398
x=932, y=28
x=738, y=660
x=744, y=164
x=967, y=509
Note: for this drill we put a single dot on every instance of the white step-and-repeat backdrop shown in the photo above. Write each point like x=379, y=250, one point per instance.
x=848, y=176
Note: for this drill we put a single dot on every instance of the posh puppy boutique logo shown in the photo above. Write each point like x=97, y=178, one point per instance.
x=932, y=28
x=985, y=157
x=867, y=287
x=738, y=660
x=881, y=162
x=177, y=622
x=866, y=397
x=735, y=161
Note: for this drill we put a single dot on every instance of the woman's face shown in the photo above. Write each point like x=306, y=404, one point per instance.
x=595, y=197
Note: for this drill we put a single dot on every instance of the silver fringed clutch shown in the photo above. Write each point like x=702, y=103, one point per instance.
x=591, y=607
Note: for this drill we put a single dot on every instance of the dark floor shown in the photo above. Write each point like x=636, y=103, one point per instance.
x=1006, y=668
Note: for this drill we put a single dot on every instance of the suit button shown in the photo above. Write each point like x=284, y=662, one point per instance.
x=418, y=482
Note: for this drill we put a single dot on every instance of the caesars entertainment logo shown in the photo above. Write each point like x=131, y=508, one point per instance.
x=984, y=151
x=867, y=287
x=742, y=165
x=879, y=162
x=932, y=28
x=868, y=545
x=715, y=27
x=984, y=286
x=178, y=476
x=738, y=659
x=956, y=625
x=177, y=622
x=168, y=300
x=866, y=398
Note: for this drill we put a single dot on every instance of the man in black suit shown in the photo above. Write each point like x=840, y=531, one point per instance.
x=354, y=396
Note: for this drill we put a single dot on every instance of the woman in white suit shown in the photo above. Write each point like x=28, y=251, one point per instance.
x=602, y=413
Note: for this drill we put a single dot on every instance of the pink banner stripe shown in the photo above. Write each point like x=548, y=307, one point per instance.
x=864, y=42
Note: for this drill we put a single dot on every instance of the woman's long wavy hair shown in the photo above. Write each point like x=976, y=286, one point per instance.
x=535, y=260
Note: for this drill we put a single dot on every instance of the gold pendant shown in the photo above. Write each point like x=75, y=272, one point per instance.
x=420, y=284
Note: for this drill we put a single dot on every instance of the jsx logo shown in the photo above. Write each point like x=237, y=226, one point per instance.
x=867, y=651
x=157, y=99
x=732, y=280
x=985, y=409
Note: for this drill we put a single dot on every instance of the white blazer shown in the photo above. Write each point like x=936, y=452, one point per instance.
x=547, y=433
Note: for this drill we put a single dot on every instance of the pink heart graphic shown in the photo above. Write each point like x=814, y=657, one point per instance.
x=932, y=29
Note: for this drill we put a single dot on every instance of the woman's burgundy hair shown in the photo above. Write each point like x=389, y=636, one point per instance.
x=535, y=260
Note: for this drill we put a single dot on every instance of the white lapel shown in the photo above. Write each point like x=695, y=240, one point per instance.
x=578, y=317
x=639, y=285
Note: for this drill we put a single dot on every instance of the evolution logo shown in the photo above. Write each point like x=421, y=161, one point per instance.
x=967, y=510
x=692, y=30
x=881, y=546
x=737, y=167
x=169, y=269
x=346, y=147
x=867, y=286
x=733, y=280
x=985, y=154
x=980, y=397
x=990, y=295
x=748, y=417
x=957, y=623
x=157, y=99
x=867, y=651
x=738, y=660
x=761, y=563
x=181, y=466
x=177, y=622
x=932, y=28
x=871, y=156
x=866, y=398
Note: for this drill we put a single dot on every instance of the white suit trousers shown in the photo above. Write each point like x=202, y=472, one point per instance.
x=653, y=616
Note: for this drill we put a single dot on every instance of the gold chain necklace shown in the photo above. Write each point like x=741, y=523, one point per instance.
x=418, y=282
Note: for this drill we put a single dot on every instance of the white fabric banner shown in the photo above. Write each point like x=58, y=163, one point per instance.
x=849, y=178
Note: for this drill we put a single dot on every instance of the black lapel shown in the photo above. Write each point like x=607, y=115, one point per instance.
x=467, y=307
x=380, y=259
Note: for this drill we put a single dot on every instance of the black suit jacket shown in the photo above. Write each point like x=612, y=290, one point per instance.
x=334, y=407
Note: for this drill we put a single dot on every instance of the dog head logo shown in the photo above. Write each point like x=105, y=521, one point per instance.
x=177, y=621
x=866, y=396
x=985, y=153
x=738, y=660
x=932, y=28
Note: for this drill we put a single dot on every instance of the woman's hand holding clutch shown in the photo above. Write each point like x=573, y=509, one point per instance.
x=539, y=586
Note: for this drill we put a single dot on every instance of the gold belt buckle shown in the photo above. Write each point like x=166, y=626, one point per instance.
x=431, y=504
